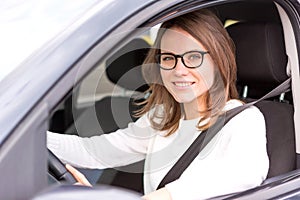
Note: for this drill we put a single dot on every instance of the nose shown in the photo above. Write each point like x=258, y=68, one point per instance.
x=180, y=68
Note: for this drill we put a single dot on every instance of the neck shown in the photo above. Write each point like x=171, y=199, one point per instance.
x=192, y=109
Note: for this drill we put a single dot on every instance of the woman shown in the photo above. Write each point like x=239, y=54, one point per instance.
x=192, y=73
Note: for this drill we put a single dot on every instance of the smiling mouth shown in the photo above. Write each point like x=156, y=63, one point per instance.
x=183, y=84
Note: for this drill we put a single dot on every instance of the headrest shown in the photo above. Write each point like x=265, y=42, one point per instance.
x=260, y=54
x=124, y=67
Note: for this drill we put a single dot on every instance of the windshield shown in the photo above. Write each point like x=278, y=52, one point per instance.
x=27, y=25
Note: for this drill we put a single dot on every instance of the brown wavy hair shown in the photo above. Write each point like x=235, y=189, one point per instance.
x=206, y=28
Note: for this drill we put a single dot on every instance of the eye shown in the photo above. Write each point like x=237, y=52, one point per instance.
x=194, y=56
x=166, y=58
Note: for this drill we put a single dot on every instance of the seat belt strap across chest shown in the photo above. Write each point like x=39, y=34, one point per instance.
x=205, y=137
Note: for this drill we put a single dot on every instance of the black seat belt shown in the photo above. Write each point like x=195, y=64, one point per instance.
x=205, y=137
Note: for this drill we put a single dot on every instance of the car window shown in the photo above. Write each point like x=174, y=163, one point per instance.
x=91, y=107
x=103, y=82
x=97, y=85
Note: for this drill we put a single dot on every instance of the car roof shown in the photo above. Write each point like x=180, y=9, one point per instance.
x=27, y=25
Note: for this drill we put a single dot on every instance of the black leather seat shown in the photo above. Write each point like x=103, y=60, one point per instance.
x=262, y=64
x=116, y=111
x=124, y=70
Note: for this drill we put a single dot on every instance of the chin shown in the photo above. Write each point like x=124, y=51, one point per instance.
x=184, y=100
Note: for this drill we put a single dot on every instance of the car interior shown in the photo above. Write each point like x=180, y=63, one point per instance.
x=117, y=84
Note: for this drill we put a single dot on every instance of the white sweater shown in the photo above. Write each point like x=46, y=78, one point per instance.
x=234, y=160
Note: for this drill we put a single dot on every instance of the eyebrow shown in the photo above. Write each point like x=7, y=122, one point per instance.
x=183, y=52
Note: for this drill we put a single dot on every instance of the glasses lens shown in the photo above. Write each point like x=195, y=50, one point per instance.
x=193, y=59
x=167, y=61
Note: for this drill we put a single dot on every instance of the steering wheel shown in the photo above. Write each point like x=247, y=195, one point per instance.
x=58, y=170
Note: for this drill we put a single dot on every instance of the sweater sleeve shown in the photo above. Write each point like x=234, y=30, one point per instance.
x=237, y=161
x=119, y=148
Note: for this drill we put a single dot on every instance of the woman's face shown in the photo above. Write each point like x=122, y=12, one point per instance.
x=185, y=84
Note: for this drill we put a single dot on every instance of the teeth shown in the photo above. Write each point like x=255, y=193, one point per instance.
x=183, y=84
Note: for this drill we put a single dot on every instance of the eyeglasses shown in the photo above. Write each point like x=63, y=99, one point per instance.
x=190, y=59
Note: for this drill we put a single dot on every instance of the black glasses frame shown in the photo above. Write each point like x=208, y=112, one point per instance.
x=176, y=56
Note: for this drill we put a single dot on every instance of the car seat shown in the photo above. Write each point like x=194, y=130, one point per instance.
x=123, y=68
x=116, y=110
x=111, y=112
x=262, y=65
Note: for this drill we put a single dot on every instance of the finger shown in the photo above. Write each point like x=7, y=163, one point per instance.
x=78, y=175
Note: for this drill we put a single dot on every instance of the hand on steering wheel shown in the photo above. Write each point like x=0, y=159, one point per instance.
x=58, y=170
x=81, y=179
